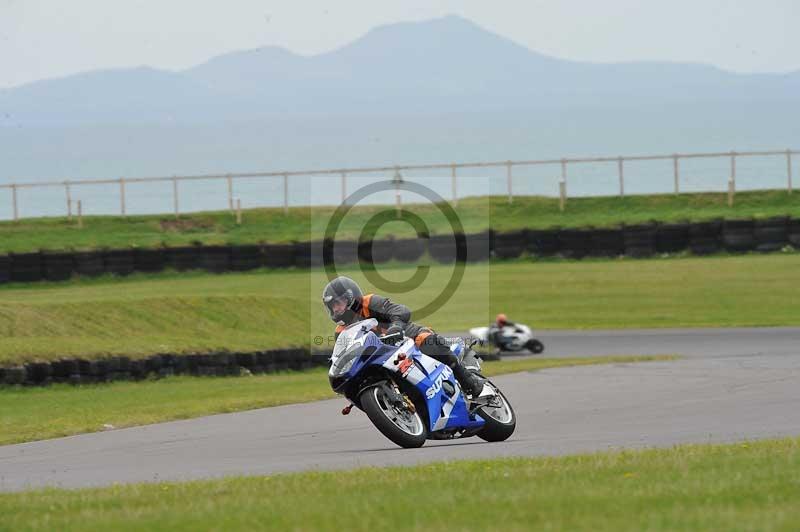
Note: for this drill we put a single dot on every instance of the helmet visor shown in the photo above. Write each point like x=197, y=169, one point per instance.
x=337, y=306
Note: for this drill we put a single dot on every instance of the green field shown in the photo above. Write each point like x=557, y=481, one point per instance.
x=742, y=486
x=303, y=224
x=172, y=313
x=28, y=414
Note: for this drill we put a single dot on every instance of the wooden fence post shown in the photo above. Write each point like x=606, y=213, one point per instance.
x=175, y=196
x=731, y=191
x=675, y=171
x=68, y=193
x=122, y=196
x=14, y=202
x=510, y=183
x=453, y=179
x=286, y=194
x=80, y=214
x=621, y=177
x=238, y=211
x=562, y=192
x=397, y=180
x=230, y=192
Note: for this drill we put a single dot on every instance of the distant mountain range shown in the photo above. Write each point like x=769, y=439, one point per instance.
x=442, y=65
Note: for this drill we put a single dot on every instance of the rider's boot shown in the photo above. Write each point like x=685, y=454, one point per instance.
x=437, y=347
x=472, y=384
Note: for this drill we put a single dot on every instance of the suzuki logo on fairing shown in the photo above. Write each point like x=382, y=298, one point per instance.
x=437, y=384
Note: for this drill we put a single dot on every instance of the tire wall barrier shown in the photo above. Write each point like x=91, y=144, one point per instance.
x=83, y=371
x=575, y=243
x=509, y=245
x=771, y=234
x=409, y=249
x=671, y=238
x=119, y=261
x=57, y=266
x=642, y=240
x=544, y=243
x=793, y=233
x=149, y=260
x=244, y=258
x=376, y=251
x=738, y=235
x=442, y=248
x=26, y=267
x=705, y=237
x=479, y=246
x=607, y=243
x=5, y=269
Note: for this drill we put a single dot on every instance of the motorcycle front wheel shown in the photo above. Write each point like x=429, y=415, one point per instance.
x=500, y=419
x=397, y=422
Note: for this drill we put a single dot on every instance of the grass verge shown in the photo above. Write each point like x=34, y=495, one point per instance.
x=171, y=313
x=742, y=486
x=28, y=414
x=476, y=214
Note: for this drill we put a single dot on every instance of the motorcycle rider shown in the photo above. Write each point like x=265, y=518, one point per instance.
x=346, y=305
x=496, y=330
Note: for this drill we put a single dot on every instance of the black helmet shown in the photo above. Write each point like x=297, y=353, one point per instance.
x=342, y=290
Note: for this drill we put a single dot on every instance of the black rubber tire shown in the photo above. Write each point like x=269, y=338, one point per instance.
x=535, y=346
x=494, y=430
x=369, y=405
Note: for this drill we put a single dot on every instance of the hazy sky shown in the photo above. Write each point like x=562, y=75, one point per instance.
x=43, y=39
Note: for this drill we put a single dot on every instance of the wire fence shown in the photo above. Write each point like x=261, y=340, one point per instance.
x=565, y=177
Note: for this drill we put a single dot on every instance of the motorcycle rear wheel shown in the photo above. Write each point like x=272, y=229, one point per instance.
x=535, y=346
x=399, y=424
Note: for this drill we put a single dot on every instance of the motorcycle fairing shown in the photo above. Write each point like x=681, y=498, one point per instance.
x=445, y=411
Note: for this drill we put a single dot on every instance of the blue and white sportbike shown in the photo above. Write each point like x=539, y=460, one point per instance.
x=411, y=397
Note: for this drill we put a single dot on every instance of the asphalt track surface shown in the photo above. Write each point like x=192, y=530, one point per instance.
x=733, y=384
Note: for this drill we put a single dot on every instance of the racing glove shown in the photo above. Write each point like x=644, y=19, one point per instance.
x=396, y=328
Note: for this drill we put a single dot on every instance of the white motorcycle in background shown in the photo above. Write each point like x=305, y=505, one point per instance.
x=517, y=337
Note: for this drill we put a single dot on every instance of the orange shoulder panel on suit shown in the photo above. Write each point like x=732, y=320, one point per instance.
x=421, y=338
x=365, y=305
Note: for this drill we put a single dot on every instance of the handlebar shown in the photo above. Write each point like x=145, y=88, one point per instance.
x=391, y=337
